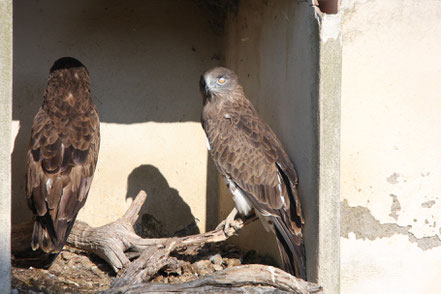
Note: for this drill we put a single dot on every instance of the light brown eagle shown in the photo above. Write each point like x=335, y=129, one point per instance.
x=253, y=163
x=62, y=154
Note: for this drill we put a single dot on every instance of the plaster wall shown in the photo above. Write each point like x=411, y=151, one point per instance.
x=273, y=47
x=145, y=59
x=5, y=142
x=390, y=148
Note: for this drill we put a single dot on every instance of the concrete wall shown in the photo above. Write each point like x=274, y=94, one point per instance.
x=5, y=142
x=391, y=142
x=328, y=265
x=145, y=59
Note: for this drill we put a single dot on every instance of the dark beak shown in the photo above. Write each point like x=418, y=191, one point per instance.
x=203, y=87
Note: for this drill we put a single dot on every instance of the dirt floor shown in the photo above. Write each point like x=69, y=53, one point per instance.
x=76, y=271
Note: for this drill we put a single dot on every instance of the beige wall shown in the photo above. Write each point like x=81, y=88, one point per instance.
x=272, y=46
x=391, y=147
x=5, y=142
x=145, y=60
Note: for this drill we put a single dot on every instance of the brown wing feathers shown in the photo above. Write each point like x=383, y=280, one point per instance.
x=246, y=151
x=62, y=154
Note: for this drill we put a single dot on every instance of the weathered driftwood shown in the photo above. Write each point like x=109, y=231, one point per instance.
x=251, y=278
x=110, y=242
x=117, y=242
x=157, y=254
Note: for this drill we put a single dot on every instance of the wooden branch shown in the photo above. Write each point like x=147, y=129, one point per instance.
x=252, y=278
x=108, y=242
x=111, y=241
x=117, y=241
x=158, y=256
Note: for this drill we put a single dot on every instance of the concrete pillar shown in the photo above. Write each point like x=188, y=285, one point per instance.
x=330, y=58
x=5, y=142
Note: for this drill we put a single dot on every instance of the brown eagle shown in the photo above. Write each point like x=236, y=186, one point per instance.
x=253, y=163
x=62, y=154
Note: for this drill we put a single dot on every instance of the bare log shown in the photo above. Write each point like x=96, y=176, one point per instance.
x=111, y=241
x=116, y=242
x=252, y=278
x=108, y=242
x=158, y=256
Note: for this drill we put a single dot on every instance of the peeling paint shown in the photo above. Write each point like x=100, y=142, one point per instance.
x=425, y=243
x=428, y=204
x=364, y=225
x=361, y=222
x=395, y=207
x=393, y=178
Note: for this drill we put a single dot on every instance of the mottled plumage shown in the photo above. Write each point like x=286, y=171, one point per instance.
x=62, y=154
x=253, y=163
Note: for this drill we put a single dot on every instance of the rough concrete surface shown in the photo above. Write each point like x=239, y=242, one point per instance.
x=5, y=141
x=329, y=155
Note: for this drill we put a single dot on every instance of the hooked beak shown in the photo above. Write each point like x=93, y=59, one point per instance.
x=204, y=87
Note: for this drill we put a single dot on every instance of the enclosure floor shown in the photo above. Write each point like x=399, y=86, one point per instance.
x=77, y=271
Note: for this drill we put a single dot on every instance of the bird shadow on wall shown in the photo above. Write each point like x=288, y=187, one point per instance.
x=164, y=213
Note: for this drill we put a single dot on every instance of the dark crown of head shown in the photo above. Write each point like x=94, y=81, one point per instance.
x=64, y=63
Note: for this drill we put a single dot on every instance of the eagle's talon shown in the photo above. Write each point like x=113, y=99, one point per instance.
x=229, y=223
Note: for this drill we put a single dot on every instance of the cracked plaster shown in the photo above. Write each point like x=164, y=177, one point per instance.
x=359, y=220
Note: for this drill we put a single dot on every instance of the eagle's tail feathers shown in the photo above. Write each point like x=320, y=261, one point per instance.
x=43, y=238
x=292, y=254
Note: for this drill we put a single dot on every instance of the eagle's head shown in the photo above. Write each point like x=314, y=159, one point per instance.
x=68, y=81
x=68, y=73
x=218, y=81
x=68, y=70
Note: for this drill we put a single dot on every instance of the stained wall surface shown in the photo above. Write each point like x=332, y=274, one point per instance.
x=145, y=59
x=390, y=148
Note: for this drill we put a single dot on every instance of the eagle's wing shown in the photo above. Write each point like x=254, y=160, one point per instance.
x=59, y=169
x=247, y=152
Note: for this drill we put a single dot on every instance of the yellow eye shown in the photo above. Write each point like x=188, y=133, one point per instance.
x=221, y=80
